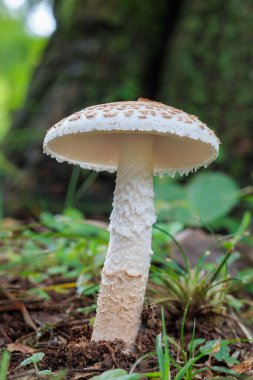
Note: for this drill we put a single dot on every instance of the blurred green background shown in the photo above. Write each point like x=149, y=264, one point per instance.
x=57, y=57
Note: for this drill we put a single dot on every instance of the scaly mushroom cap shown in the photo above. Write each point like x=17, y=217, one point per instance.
x=91, y=137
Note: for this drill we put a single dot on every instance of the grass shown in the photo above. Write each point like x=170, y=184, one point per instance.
x=191, y=366
x=4, y=364
x=209, y=286
x=63, y=245
x=72, y=250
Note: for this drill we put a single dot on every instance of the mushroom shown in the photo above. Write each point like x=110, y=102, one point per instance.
x=137, y=139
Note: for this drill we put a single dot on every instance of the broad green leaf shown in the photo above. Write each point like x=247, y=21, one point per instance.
x=224, y=354
x=212, y=195
x=172, y=203
x=220, y=350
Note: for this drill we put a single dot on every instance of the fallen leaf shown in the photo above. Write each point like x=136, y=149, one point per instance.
x=19, y=347
x=42, y=318
x=244, y=366
x=209, y=374
x=216, y=347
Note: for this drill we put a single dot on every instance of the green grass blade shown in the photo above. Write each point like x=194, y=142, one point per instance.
x=175, y=286
x=225, y=370
x=72, y=186
x=152, y=375
x=217, y=271
x=166, y=349
x=159, y=352
x=182, y=331
x=180, y=248
x=4, y=364
x=148, y=355
x=191, y=346
x=187, y=366
x=223, y=282
x=245, y=223
x=86, y=185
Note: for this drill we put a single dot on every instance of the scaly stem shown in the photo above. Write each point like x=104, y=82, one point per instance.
x=125, y=273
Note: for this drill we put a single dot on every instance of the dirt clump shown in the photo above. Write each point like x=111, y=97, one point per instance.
x=81, y=352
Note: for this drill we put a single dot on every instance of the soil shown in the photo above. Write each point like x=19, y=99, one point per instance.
x=62, y=330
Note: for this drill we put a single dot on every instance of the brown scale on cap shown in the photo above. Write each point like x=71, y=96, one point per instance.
x=144, y=112
x=149, y=101
x=142, y=108
x=110, y=114
x=91, y=115
x=166, y=115
x=128, y=113
x=74, y=117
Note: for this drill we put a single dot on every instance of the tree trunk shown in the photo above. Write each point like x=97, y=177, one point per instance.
x=208, y=72
x=195, y=55
x=100, y=52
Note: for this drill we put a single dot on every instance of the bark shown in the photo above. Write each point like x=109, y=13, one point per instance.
x=208, y=72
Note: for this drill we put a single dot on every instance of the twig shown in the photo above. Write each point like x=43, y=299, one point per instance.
x=21, y=374
x=21, y=307
x=5, y=335
x=110, y=349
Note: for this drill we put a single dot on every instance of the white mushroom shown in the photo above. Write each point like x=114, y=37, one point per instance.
x=137, y=139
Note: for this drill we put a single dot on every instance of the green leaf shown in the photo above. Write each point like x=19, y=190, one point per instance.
x=119, y=374
x=195, y=343
x=212, y=195
x=35, y=358
x=225, y=370
x=220, y=350
x=19, y=53
x=171, y=202
x=207, y=198
x=45, y=372
x=207, y=349
x=159, y=352
x=224, y=354
x=73, y=213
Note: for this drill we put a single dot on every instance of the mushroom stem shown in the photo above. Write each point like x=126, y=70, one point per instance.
x=125, y=273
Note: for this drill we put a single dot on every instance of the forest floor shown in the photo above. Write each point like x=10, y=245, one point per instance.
x=58, y=328
x=56, y=321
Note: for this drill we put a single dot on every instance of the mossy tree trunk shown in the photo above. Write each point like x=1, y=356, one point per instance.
x=208, y=72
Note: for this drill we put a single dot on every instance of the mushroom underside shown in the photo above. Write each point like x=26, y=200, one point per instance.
x=100, y=151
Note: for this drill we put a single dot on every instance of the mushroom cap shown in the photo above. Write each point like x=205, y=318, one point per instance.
x=91, y=138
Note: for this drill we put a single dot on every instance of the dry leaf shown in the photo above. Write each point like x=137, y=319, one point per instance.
x=216, y=347
x=244, y=366
x=209, y=374
x=19, y=347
